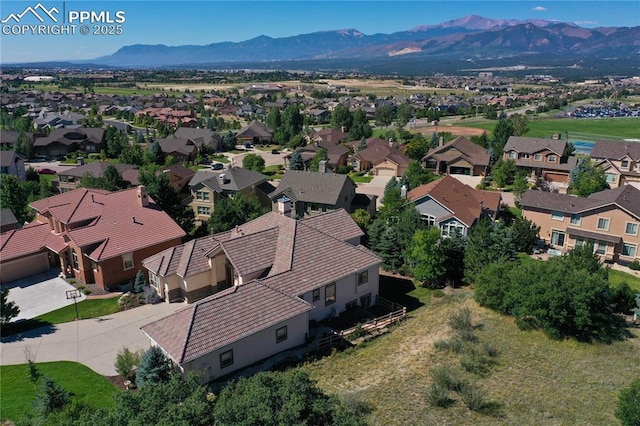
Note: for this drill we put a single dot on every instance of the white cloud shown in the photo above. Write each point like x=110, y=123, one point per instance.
x=539, y=9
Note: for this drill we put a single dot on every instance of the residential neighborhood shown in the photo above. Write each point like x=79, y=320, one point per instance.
x=277, y=226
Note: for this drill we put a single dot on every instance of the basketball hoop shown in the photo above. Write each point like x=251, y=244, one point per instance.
x=74, y=294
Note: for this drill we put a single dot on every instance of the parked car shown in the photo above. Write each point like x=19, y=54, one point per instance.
x=217, y=166
x=46, y=172
x=275, y=151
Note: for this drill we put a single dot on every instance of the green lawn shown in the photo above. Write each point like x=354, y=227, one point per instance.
x=84, y=384
x=618, y=277
x=535, y=380
x=275, y=171
x=88, y=308
x=360, y=178
x=579, y=129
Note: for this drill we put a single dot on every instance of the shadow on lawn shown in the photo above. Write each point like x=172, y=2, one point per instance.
x=16, y=331
x=397, y=290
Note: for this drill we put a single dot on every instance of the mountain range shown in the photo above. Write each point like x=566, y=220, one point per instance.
x=468, y=38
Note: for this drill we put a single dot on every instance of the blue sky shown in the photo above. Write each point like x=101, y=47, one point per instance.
x=203, y=22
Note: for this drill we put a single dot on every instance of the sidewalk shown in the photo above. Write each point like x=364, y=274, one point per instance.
x=93, y=342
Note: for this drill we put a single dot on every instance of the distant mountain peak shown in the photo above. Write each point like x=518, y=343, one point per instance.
x=476, y=22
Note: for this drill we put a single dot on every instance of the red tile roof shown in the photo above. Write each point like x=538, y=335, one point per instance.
x=219, y=320
x=114, y=221
x=24, y=241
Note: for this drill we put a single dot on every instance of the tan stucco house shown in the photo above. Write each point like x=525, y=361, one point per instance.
x=620, y=161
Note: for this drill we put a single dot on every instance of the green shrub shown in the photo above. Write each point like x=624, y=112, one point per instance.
x=461, y=320
x=72, y=281
x=489, y=350
x=453, y=345
x=628, y=409
x=446, y=379
x=634, y=266
x=86, y=291
x=474, y=398
x=438, y=396
x=125, y=363
x=474, y=362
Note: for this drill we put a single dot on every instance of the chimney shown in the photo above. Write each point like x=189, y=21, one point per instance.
x=390, y=142
x=322, y=166
x=284, y=206
x=441, y=141
x=143, y=199
x=80, y=161
x=133, y=220
x=403, y=191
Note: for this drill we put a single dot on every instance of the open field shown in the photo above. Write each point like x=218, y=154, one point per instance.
x=17, y=390
x=579, y=129
x=534, y=381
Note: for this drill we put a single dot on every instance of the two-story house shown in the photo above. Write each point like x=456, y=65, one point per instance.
x=315, y=192
x=94, y=235
x=609, y=219
x=620, y=161
x=208, y=187
x=382, y=158
x=63, y=141
x=548, y=159
x=12, y=164
x=69, y=179
x=266, y=280
x=459, y=156
x=182, y=150
x=203, y=139
x=255, y=133
x=453, y=206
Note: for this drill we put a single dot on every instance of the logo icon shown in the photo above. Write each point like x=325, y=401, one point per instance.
x=34, y=11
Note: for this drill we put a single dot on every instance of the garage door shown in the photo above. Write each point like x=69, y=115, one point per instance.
x=24, y=267
x=385, y=171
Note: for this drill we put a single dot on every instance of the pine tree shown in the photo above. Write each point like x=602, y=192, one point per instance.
x=154, y=367
x=296, y=162
x=8, y=310
x=140, y=282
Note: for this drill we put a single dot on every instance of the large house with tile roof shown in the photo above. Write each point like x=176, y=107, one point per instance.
x=608, y=219
x=94, y=235
x=453, y=206
x=548, y=159
x=63, y=141
x=620, y=161
x=255, y=288
x=459, y=156
x=381, y=158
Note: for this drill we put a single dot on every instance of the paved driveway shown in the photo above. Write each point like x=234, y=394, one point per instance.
x=40, y=294
x=93, y=342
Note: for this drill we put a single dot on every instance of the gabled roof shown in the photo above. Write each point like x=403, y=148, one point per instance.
x=109, y=224
x=181, y=146
x=223, y=318
x=626, y=197
x=255, y=129
x=21, y=242
x=474, y=154
x=198, y=136
x=337, y=223
x=616, y=150
x=96, y=169
x=312, y=187
x=7, y=217
x=7, y=158
x=464, y=202
x=332, y=136
x=533, y=145
x=379, y=152
x=235, y=179
x=89, y=134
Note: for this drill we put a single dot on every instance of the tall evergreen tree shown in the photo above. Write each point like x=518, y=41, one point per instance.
x=296, y=162
x=154, y=368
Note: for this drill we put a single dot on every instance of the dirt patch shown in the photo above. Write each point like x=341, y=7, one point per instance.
x=117, y=381
x=454, y=130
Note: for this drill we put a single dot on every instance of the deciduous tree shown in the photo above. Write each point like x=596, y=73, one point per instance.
x=253, y=162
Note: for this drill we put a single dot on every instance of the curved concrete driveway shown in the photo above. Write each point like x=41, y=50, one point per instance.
x=93, y=342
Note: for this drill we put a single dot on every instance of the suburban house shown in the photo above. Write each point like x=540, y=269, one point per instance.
x=63, y=141
x=69, y=179
x=182, y=150
x=8, y=220
x=336, y=154
x=255, y=289
x=333, y=136
x=609, y=219
x=179, y=176
x=453, y=206
x=382, y=158
x=12, y=164
x=255, y=133
x=208, y=187
x=8, y=138
x=548, y=159
x=96, y=236
x=620, y=161
x=459, y=156
x=315, y=192
x=203, y=139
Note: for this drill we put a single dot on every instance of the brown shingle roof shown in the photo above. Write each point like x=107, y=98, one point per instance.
x=312, y=187
x=474, y=154
x=97, y=169
x=533, y=145
x=219, y=320
x=615, y=150
x=464, y=202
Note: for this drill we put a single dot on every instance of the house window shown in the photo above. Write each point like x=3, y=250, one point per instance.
x=281, y=334
x=537, y=157
x=74, y=259
x=432, y=164
x=330, y=294
x=202, y=195
x=551, y=158
x=629, y=250
x=153, y=280
x=557, y=216
x=316, y=294
x=513, y=155
x=429, y=220
x=226, y=358
x=611, y=178
x=603, y=223
x=575, y=219
x=365, y=301
x=631, y=229
x=624, y=164
x=557, y=238
x=452, y=230
x=579, y=241
x=363, y=277
x=351, y=305
x=202, y=210
x=601, y=248
x=127, y=261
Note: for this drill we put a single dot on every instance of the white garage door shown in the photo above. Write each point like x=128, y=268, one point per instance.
x=24, y=267
x=385, y=171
